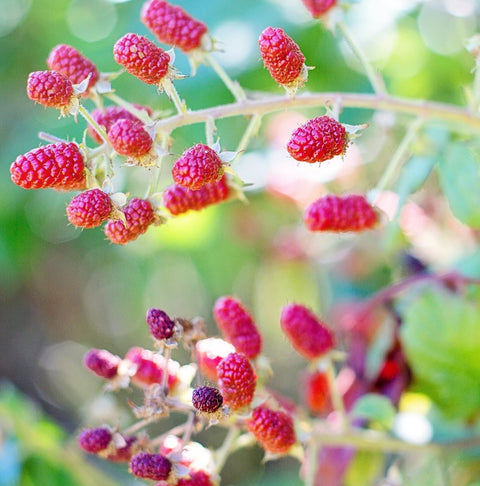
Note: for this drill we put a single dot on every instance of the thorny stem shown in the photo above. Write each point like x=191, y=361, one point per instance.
x=137, y=426
x=232, y=86
x=188, y=428
x=223, y=452
x=100, y=130
x=172, y=93
x=374, y=77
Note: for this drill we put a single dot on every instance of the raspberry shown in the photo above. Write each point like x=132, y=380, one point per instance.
x=199, y=165
x=68, y=61
x=160, y=325
x=317, y=392
x=128, y=137
x=178, y=199
x=319, y=7
x=210, y=352
x=142, y=58
x=207, y=399
x=94, y=440
x=282, y=57
x=172, y=25
x=273, y=429
x=102, y=363
x=50, y=88
x=149, y=367
x=236, y=380
x=110, y=115
x=89, y=209
x=308, y=334
x=320, y=139
x=336, y=213
x=123, y=454
x=139, y=215
x=197, y=478
x=58, y=166
x=150, y=466
x=237, y=326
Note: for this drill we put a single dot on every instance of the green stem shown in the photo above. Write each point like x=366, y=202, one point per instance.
x=224, y=450
x=142, y=115
x=250, y=131
x=99, y=129
x=50, y=138
x=210, y=130
x=232, y=86
x=373, y=76
x=172, y=93
x=312, y=451
x=337, y=399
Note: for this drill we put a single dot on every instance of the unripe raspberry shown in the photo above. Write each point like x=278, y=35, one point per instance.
x=68, y=61
x=94, y=440
x=89, y=209
x=102, y=363
x=150, y=466
x=317, y=8
x=199, y=165
x=320, y=139
x=172, y=25
x=317, y=392
x=178, y=199
x=207, y=399
x=142, y=58
x=128, y=137
x=282, y=57
x=236, y=380
x=139, y=215
x=57, y=166
x=307, y=334
x=160, y=325
x=340, y=214
x=210, y=352
x=273, y=429
x=237, y=326
x=50, y=88
x=110, y=115
x=197, y=478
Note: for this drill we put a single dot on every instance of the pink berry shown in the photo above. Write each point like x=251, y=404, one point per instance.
x=207, y=399
x=237, y=326
x=317, y=8
x=340, y=214
x=273, y=429
x=142, y=58
x=308, y=334
x=68, y=61
x=236, y=380
x=94, y=440
x=102, y=363
x=160, y=325
x=128, y=137
x=172, y=25
x=319, y=139
x=50, y=88
x=150, y=466
x=196, y=478
x=281, y=56
x=199, y=165
x=209, y=353
x=59, y=166
x=89, y=209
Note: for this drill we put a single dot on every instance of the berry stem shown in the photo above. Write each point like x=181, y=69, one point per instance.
x=210, y=130
x=187, y=433
x=251, y=130
x=375, y=80
x=167, y=354
x=142, y=115
x=50, y=138
x=311, y=462
x=179, y=429
x=155, y=180
x=233, y=86
x=99, y=129
x=337, y=399
x=224, y=450
x=172, y=93
x=138, y=425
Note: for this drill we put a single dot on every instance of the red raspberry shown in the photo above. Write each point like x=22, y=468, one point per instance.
x=160, y=325
x=94, y=440
x=319, y=139
x=89, y=209
x=237, y=326
x=319, y=7
x=102, y=363
x=68, y=61
x=178, y=199
x=150, y=466
x=236, y=380
x=281, y=56
x=308, y=334
x=139, y=215
x=210, y=352
x=58, y=166
x=273, y=429
x=197, y=478
x=207, y=399
x=199, y=165
x=172, y=25
x=50, y=88
x=149, y=367
x=142, y=58
x=317, y=392
x=128, y=137
x=110, y=115
x=336, y=213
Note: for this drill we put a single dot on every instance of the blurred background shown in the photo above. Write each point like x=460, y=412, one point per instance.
x=63, y=291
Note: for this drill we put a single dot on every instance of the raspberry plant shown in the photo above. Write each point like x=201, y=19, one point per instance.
x=361, y=360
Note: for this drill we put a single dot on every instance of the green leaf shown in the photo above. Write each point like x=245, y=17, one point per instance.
x=375, y=407
x=460, y=181
x=441, y=339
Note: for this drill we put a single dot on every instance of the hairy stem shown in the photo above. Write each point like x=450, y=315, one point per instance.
x=100, y=130
x=142, y=115
x=224, y=450
x=232, y=86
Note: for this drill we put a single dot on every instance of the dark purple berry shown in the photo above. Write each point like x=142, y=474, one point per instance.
x=161, y=326
x=150, y=466
x=207, y=399
x=94, y=440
